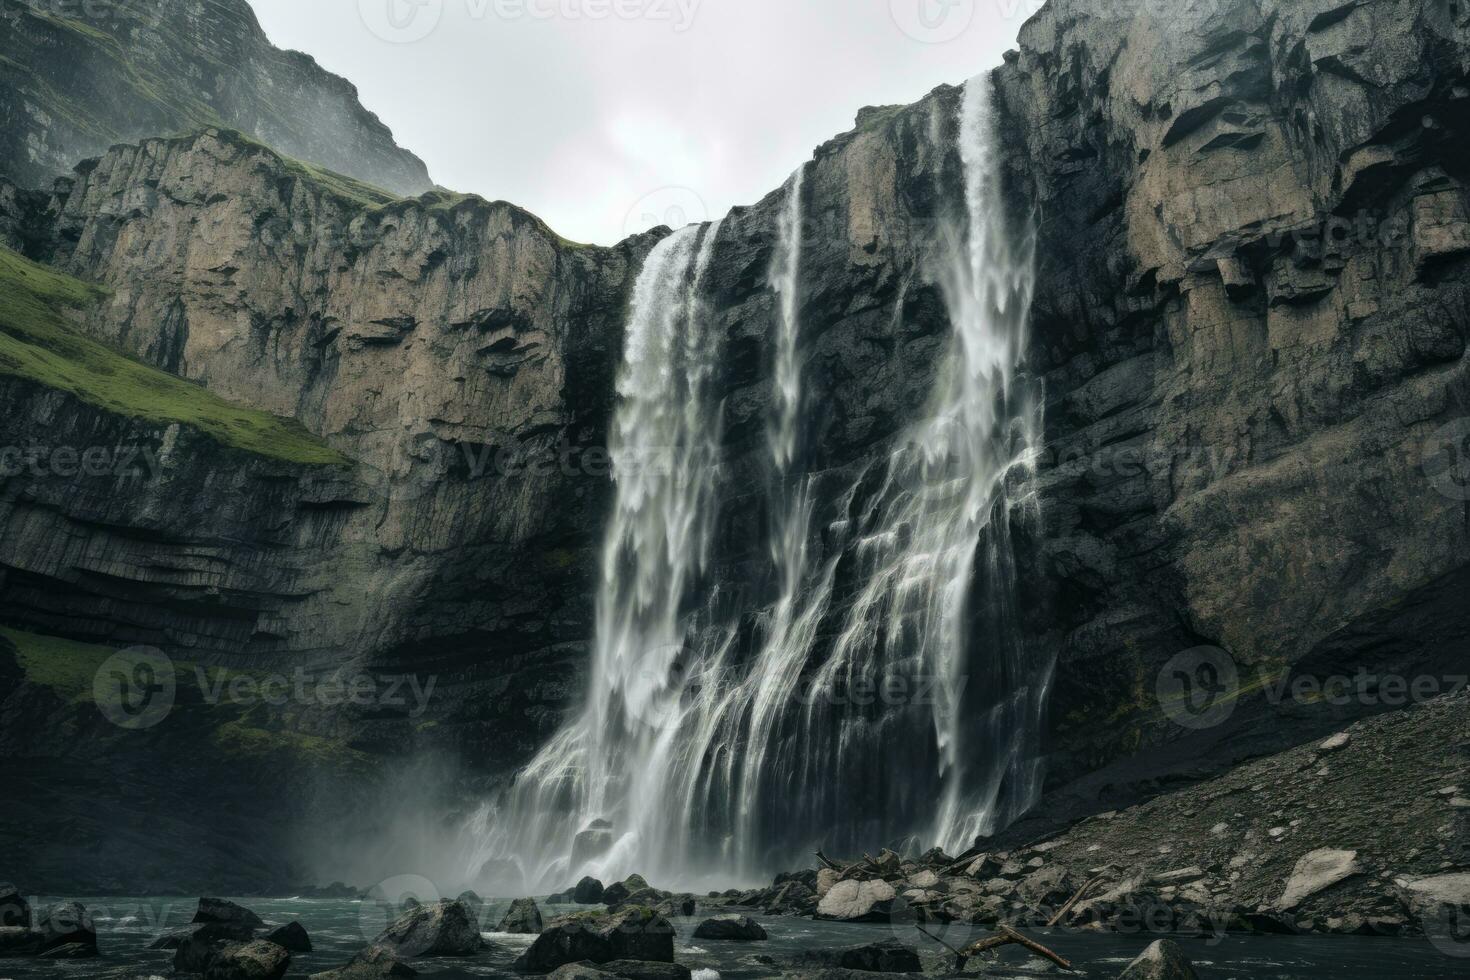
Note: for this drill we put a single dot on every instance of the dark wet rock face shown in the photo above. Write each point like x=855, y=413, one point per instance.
x=445, y=928
x=224, y=911
x=1251, y=315
x=632, y=934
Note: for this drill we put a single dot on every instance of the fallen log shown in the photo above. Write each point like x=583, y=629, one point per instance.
x=1004, y=936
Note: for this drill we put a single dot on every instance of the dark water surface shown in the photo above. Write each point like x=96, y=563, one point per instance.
x=339, y=928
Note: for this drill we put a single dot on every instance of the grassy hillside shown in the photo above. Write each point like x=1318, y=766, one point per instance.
x=38, y=344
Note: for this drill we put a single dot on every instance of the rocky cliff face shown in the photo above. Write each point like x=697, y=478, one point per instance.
x=78, y=77
x=1251, y=322
x=1252, y=318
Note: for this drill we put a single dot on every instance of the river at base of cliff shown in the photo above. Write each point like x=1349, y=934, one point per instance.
x=339, y=928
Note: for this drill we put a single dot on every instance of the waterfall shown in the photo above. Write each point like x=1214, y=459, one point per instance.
x=883, y=694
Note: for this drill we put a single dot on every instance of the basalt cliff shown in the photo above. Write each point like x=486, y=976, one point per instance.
x=366, y=434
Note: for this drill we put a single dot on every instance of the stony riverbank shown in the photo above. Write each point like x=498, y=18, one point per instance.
x=1366, y=832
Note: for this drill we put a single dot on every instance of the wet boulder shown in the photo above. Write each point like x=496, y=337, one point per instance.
x=255, y=960
x=291, y=937
x=619, y=892
x=888, y=956
x=66, y=924
x=216, y=932
x=219, y=910
x=444, y=928
x=734, y=928
x=1164, y=960
x=588, y=892
x=675, y=905
x=372, y=963
x=522, y=919
x=600, y=937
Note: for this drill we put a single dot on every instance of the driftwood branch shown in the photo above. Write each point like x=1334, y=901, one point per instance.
x=1004, y=936
x=828, y=861
x=1062, y=912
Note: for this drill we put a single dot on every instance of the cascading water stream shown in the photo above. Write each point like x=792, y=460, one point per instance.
x=706, y=759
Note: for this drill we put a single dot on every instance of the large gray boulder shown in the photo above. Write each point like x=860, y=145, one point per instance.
x=858, y=901
x=600, y=937
x=444, y=928
x=1316, y=871
x=1164, y=960
x=588, y=892
x=522, y=918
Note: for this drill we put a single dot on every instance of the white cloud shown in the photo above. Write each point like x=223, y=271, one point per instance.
x=580, y=109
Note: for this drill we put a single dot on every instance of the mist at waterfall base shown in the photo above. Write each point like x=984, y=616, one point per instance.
x=883, y=699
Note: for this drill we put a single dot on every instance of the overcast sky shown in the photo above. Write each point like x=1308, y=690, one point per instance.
x=608, y=116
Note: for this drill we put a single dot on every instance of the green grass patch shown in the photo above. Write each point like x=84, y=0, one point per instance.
x=38, y=344
x=873, y=118
x=241, y=740
x=65, y=666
